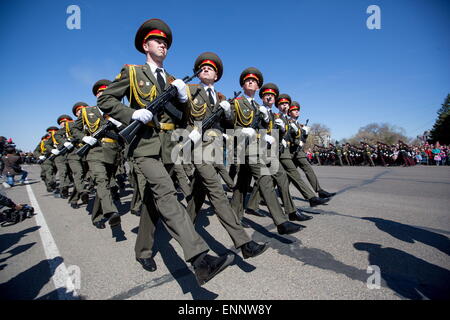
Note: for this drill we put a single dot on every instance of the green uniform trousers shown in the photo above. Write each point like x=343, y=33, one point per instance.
x=294, y=177
x=77, y=173
x=48, y=173
x=103, y=203
x=222, y=170
x=206, y=182
x=245, y=173
x=301, y=161
x=160, y=200
x=282, y=181
x=63, y=172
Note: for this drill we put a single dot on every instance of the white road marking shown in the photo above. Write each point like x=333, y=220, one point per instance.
x=61, y=277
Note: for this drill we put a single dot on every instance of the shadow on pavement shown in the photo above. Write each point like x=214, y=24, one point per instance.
x=407, y=275
x=7, y=240
x=410, y=234
x=364, y=183
x=28, y=284
x=200, y=226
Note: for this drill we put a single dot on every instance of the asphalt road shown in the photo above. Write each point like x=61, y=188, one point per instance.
x=396, y=220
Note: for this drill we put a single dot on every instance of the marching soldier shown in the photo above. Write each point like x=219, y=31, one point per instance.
x=205, y=100
x=247, y=118
x=52, y=145
x=290, y=139
x=47, y=166
x=142, y=84
x=66, y=138
x=269, y=93
x=102, y=159
x=299, y=157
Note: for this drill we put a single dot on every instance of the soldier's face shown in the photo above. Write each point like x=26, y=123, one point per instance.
x=250, y=84
x=268, y=99
x=208, y=75
x=157, y=49
x=284, y=107
x=295, y=113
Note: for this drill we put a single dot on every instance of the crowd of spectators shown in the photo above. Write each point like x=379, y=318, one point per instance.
x=432, y=154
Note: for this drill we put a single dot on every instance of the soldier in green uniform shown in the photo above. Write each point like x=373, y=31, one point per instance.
x=66, y=138
x=102, y=158
x=269, y=93
x=248, y=116
x=47, y=166
x=299, y=157
x=142, y=84
x=52, y=145
x=205, y=100
x=290, y=135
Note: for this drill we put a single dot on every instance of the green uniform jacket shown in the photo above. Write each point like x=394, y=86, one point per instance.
x=201, y=108
x=102, y=151
x=139, y=85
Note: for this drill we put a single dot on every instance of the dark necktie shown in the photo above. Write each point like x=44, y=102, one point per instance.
x=253, y=103
x=211, y=99
x=160, y=79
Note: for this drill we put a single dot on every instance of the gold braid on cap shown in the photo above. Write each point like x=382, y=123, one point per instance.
x=92, y=127
x=137, y=93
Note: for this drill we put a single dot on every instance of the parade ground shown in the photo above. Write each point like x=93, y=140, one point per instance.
x=385, y=235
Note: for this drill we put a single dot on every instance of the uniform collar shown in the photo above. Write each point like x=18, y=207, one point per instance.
x=153, y=68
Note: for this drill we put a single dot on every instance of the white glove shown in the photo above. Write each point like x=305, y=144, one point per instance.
x=306, y=129
x=225, y=136
x=301, y=143
x=249, y=132
x=143, y=115
x=55, y=152
x=225, y=105
x=264, y=111
x=269, y=139
x=89, y=140
x=68, y=145
x=294, y=127
x=181, y=88
x=283, y=142
x=279, y=122
x=118, y=124
x=41, y=157
x=195, y=136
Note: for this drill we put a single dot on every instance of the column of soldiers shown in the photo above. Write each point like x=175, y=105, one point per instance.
x=152, y=169
x=380, y=154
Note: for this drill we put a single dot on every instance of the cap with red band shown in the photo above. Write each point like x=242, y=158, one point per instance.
x=251, y=73
x=100, y=85
x=153, y=28
x=209, y=59
x=294, y=106
x=284, y=98
x=269, y=88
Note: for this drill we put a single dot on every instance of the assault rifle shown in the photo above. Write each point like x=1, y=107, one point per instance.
x=156, y=107
x=212, y=119
x=99, y=134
